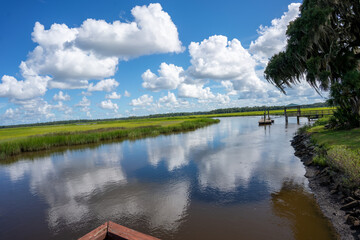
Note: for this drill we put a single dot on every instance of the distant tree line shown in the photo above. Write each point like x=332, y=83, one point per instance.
x=178, y=114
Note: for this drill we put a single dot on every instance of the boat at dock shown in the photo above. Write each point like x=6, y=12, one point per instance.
x=113, y=231
x=266, y=121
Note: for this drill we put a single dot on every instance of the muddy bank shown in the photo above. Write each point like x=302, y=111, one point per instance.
x=338, y=203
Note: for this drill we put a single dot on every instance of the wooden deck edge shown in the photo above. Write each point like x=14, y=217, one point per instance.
x=98, y=233
x=127, y=233
x=111, y=230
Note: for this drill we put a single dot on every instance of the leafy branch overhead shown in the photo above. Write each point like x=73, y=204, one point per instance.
x=322, y=48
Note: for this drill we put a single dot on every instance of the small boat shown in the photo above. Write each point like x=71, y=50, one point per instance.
x=111, y=230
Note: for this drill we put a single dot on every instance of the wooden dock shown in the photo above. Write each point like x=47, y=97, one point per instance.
x=310, y=114
x=266, y=121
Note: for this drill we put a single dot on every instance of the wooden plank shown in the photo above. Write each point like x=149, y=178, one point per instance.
x=118, y=232
x=98, y=233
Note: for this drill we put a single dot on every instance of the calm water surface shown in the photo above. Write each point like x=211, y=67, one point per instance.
x=232, y=180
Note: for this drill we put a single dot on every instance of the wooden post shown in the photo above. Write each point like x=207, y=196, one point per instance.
x=286, y=117
x=264, y=115
x=298, y=115
x=268, y=114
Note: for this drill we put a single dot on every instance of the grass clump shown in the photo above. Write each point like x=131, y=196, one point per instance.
x=320, y=160
x=337, y=148
x=322, y=121
x=347, y=161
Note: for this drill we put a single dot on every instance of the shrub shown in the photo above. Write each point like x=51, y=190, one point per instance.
x=322, y=121
x=347, y=161
x=320, y=160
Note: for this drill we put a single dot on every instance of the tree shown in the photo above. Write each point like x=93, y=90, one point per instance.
x=323, y=48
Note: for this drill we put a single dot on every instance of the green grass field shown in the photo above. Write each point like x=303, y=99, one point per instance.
x=8, y=134
x=328, y=138
x=21, y=140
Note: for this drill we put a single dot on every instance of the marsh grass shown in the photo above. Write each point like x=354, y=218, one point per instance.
x=57, y=139
x=347, y=161
x=320, y=160
x=340, y=149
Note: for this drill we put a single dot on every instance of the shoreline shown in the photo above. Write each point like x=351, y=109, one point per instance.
x=53, y=140
x=338, y=203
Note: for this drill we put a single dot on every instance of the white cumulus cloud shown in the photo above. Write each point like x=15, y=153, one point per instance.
x=170, y=76
x=68, y=58
x=127, y=94
x=214, y=58
x=151, y=32
x=32, y=87
x=108, y=104
x=67, y=65
x=273, y=39
x=61, y=97
x=194, y=91
x=30, y=110
x=168, y=99
x=113, y=95
x=144, y=100
x=220, y=59
x=103, y=85
x=84, y=104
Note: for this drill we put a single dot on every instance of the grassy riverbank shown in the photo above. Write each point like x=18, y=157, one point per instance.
x=29, y=139
x=339, y=149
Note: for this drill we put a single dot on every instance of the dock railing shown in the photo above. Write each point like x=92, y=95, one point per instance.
x=303, y=112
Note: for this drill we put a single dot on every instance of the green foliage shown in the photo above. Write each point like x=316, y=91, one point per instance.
x=347, y=161
x=320, y=161
x=346, y=94
x=322, y=121
x=323, y=45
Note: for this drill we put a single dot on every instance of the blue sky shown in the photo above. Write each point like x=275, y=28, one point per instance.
x=103, y=59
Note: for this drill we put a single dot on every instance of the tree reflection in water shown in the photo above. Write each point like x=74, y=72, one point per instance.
x=300, y=209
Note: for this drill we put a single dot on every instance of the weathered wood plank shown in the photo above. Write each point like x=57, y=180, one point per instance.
x=98, y=233
x=116, y=231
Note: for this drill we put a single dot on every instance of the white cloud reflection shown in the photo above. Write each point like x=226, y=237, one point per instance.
x=77, y=190
x=97, y=184
x=175, y=149
x=235, y=160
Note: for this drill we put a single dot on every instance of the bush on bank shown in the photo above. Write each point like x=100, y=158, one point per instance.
x=347, y=161
x=338, y=149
